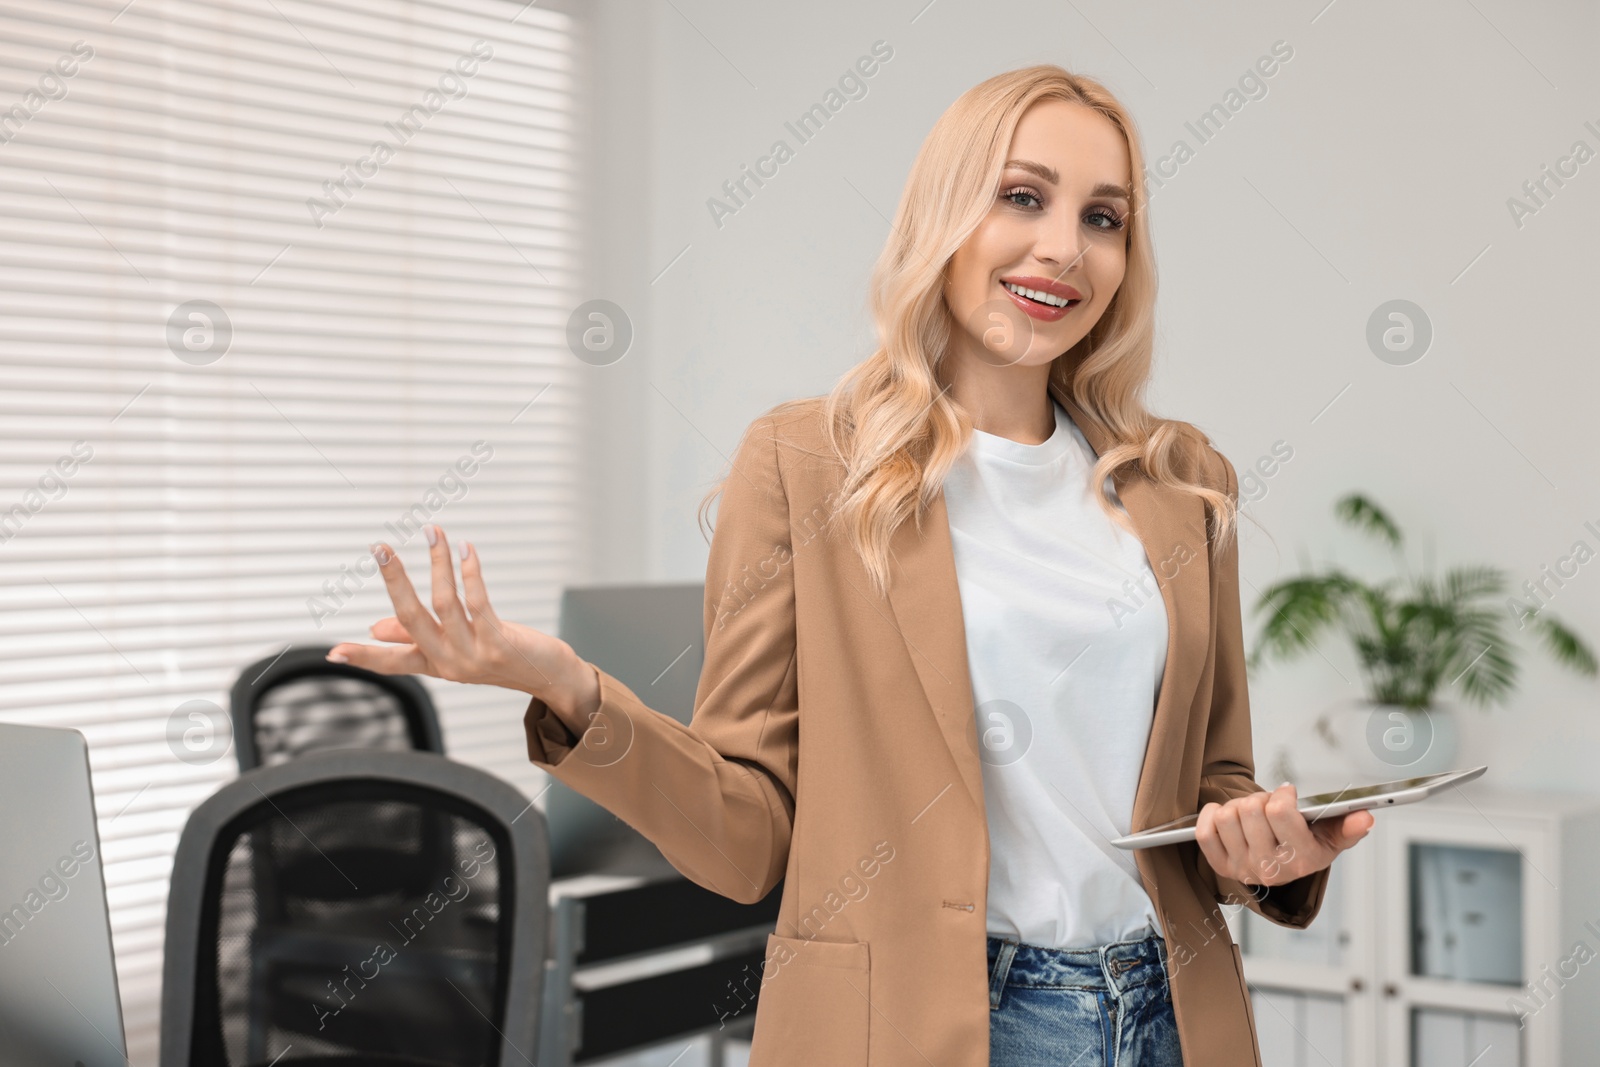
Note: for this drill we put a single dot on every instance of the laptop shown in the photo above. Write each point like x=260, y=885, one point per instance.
x=59, y=1005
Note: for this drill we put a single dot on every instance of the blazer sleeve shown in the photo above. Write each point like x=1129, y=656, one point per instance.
x=716, y=796
x=1229, y=764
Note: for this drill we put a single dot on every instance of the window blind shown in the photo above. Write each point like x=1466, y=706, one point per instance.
x=280, y=278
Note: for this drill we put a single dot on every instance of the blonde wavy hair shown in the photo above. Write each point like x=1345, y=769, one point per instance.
x=896, y=430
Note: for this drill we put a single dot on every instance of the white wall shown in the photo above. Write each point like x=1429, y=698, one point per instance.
x=1378, y=165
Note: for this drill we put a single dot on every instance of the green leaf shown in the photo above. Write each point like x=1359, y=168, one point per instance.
x=1299, y=608
x=1567, y=647
x=1360, y=512
x=1467, y=583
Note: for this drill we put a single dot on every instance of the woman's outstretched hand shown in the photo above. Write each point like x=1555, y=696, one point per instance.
x=1263, y=839
x=480, y=648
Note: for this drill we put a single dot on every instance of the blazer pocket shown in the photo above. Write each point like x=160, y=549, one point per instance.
x=814, y=1004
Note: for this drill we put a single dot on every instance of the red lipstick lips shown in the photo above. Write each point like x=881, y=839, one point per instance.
x=1042, y=311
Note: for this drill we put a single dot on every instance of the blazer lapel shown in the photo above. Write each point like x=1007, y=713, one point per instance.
x=926, y=601
x=927, y=605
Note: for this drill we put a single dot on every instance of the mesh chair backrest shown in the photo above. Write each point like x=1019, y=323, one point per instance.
x=318, y=712
x=287, y=706
x=355, y=917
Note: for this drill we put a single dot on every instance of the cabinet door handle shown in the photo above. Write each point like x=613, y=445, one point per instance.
x=1390, y=989
x=1357, y=985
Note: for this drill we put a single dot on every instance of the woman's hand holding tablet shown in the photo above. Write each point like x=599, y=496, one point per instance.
x=1270, y=838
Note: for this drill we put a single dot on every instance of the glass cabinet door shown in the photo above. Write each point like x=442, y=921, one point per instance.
x=1442, y=1038
x=1466, y=913
x=1468, y=905
x=1296, y=1029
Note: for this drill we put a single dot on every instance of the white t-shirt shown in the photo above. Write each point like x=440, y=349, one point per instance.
x=1066, y=642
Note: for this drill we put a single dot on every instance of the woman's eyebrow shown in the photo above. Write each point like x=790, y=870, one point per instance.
x=1047, y=173
x=1050, y=175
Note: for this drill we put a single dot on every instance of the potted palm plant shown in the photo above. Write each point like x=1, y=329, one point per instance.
x=1413, y=637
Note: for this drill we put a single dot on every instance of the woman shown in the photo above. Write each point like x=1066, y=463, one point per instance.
x=967, y=617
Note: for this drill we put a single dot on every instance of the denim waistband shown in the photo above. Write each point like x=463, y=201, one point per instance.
x=1115, y=967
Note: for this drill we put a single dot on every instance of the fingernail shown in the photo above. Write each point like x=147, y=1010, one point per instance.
x=464, y=553
x=1282, y=784
x=380, y=554
x=433, y=534
x=338, y=657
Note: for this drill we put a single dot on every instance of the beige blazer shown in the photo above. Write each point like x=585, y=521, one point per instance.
x=834, y=746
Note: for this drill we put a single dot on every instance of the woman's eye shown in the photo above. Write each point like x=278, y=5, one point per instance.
x=1114, y=223
x=1012, y=194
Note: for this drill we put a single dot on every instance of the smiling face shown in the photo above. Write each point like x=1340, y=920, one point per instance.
x=1057, y=227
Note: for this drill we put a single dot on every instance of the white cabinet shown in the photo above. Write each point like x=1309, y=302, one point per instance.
x=1464, y=930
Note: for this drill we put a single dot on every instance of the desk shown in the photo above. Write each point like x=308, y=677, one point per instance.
x=640, y=955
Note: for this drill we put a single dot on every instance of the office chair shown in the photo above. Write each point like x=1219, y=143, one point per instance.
x=290, y=705
x=287, y=705
x=442, y=968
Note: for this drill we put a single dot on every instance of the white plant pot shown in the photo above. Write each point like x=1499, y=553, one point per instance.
x=1382, y=742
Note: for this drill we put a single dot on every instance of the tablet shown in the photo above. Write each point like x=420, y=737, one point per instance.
x=1319, y=805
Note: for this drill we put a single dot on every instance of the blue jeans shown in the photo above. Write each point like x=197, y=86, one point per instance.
x=1109, y=1006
